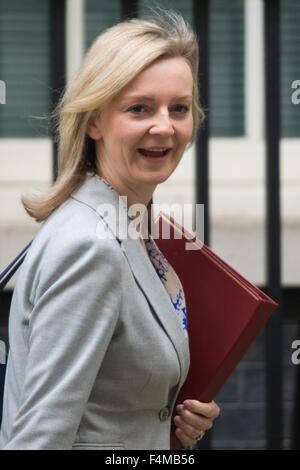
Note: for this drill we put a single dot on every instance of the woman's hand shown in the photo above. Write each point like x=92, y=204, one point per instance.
x=193, y=419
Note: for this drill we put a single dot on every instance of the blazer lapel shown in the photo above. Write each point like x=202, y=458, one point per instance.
x=97, y=194
x=156, y=294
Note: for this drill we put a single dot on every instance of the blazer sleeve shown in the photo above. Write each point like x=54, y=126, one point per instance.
x=76, y=308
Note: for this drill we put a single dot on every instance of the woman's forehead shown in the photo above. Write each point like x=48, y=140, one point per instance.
x=171, y=75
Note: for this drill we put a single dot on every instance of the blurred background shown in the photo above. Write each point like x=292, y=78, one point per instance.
x=245, y=168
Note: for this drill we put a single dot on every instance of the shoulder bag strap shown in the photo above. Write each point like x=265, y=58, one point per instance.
x=13, y=267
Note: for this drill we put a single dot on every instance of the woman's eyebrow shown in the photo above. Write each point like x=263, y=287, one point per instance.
x=138, y=97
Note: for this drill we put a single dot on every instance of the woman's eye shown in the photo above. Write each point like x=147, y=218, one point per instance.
x=137, y=109
x=181, y=108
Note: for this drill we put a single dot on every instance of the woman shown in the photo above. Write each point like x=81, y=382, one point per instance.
x=97, y=351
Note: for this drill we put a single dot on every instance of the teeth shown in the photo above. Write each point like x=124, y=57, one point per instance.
x=151, y=152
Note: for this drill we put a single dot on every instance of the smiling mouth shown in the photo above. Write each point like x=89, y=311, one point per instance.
x=154, y=152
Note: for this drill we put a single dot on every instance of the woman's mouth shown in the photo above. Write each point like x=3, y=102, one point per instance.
x=158, y=154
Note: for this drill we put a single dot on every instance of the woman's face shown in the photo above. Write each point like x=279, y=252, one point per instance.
x=141, y=135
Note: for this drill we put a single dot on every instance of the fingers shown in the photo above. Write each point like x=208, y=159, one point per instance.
x=191, y=423
x=185, y=440
x=193, y=419
x=190, y=431
x=209, y=410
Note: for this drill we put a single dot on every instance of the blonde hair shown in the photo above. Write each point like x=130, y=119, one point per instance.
x=114, y=59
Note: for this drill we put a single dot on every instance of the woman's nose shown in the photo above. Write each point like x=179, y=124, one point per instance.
x=162, y=125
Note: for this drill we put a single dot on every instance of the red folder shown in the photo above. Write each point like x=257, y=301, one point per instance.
x=225, y=312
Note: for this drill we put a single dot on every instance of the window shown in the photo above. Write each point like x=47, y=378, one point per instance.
x=100, y=15
x=290, y=65
x=24, y=67
x=25, y=61
x=226, y=42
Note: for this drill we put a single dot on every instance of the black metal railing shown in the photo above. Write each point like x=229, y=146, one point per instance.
x=57, y=9
x=273, y=331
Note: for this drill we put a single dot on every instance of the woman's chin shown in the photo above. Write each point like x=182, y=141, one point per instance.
x=157, y=177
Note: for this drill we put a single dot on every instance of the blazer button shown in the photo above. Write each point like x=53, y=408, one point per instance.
x=164, y=414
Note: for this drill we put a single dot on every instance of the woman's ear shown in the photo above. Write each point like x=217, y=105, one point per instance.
x=93, y=128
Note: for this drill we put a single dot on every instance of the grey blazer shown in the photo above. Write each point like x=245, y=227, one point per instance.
x=97, y=353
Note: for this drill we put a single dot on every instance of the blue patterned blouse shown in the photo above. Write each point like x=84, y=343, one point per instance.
x=169, y=279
